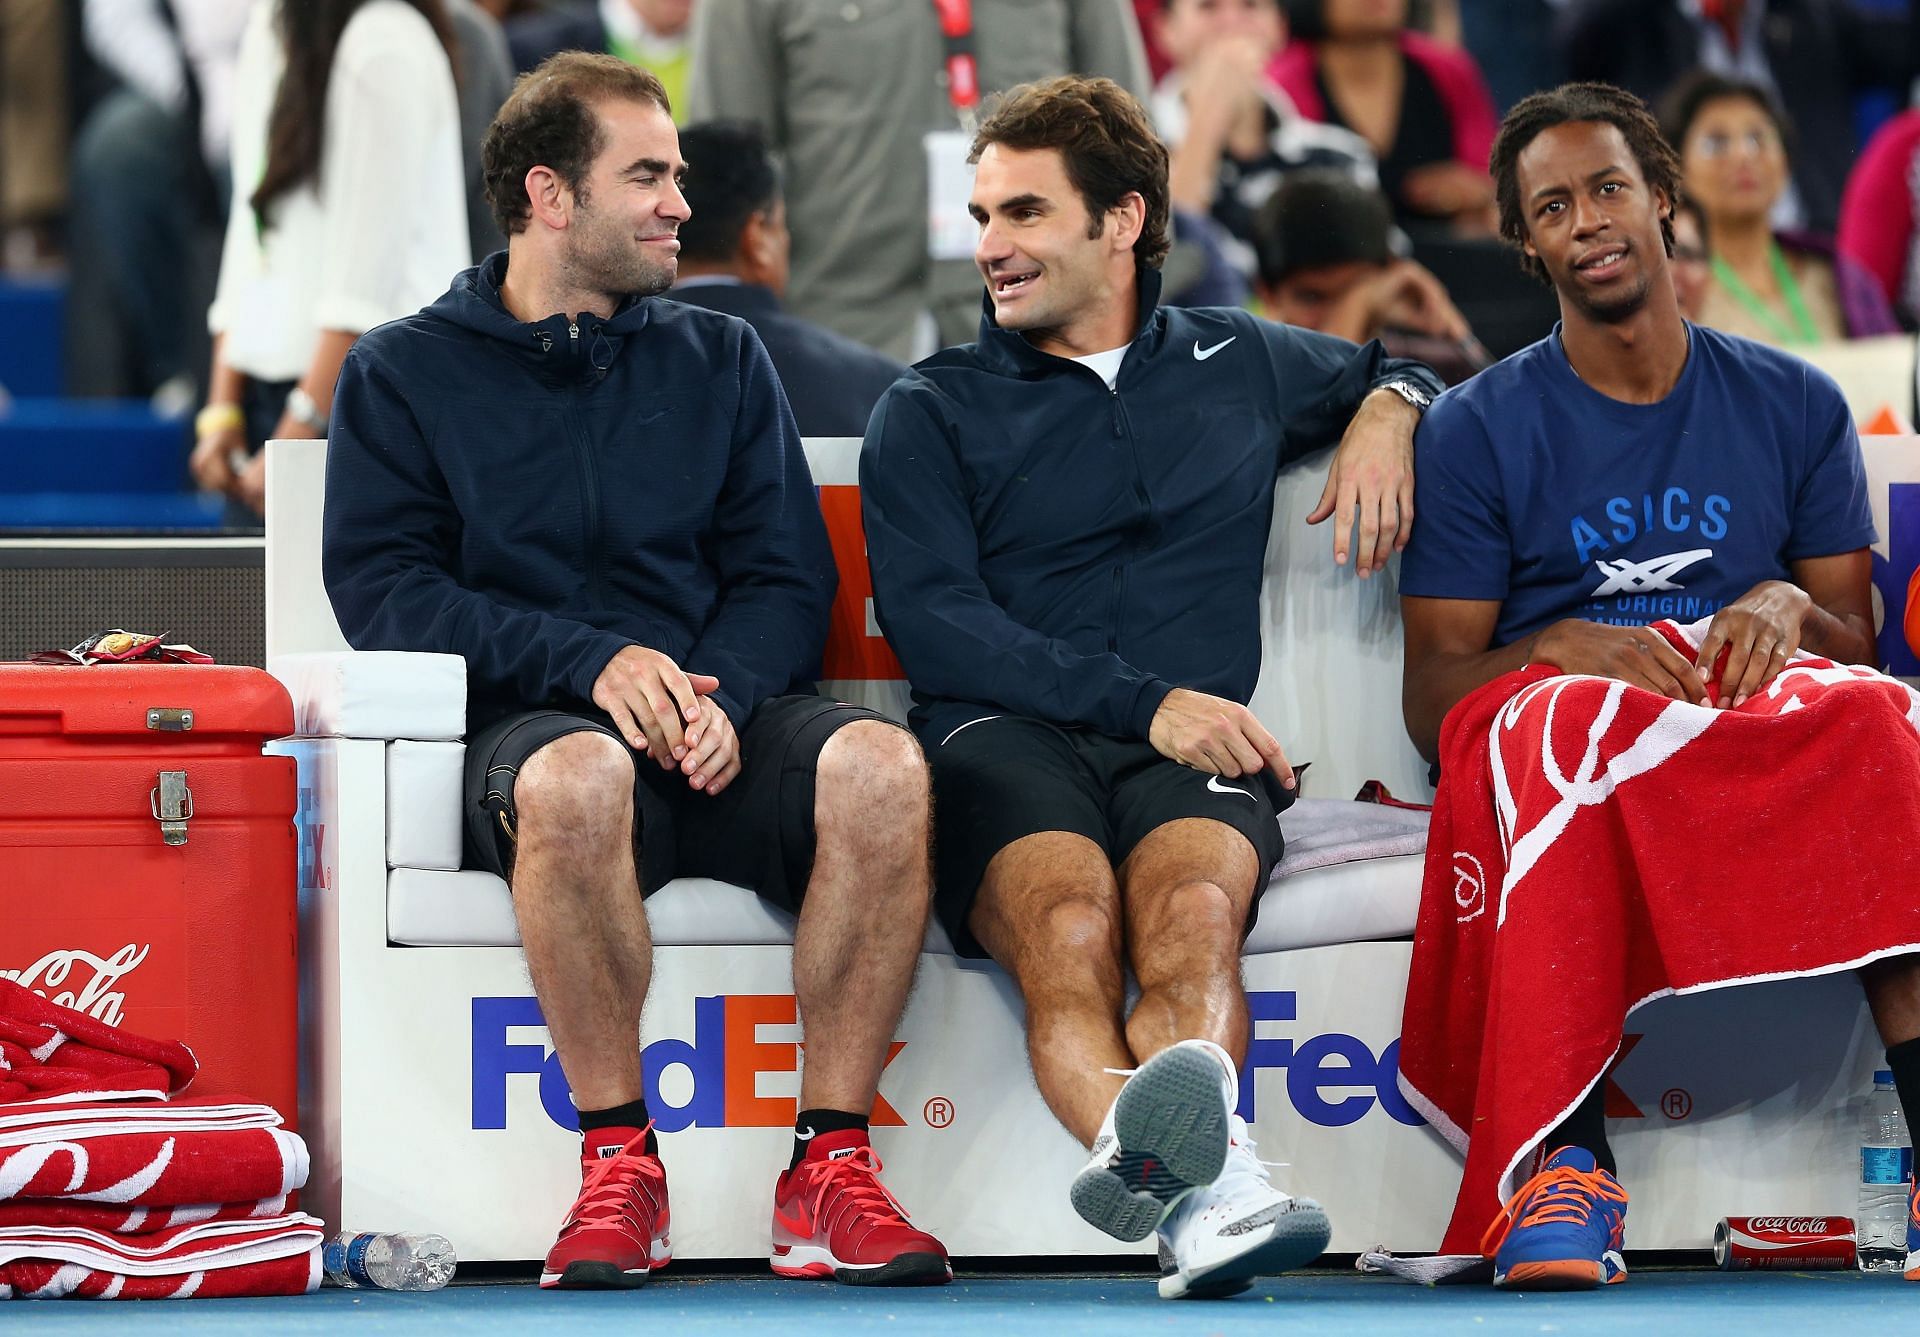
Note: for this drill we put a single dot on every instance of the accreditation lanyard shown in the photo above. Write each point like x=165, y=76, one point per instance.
x=963, y=68
x=1802, y=330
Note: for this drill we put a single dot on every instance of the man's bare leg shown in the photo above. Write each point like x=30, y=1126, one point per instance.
x=577, y=900
x=1049, y=913
x=861, y=928
x=865, y=913
x=1186, y=890
x=1893, y=994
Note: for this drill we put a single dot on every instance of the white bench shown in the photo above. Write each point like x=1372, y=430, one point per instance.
x=428, y=1079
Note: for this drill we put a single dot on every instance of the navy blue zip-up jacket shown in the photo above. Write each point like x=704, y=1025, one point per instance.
x=1046, y=547
x=536, y=497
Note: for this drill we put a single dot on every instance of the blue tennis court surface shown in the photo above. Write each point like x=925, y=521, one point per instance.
x=1694, y=1303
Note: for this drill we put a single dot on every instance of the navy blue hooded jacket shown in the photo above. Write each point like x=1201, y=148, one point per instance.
x=1046, y=547
x=536, y=497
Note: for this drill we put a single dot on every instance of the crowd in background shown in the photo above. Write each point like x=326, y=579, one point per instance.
x=239, y=188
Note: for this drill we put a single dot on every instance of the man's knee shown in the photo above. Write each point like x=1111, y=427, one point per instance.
x=871, y=762
x=1077, y=928
x=1180, y=932
x=578, y=787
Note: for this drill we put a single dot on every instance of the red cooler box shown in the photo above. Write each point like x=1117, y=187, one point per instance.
x=147, y=860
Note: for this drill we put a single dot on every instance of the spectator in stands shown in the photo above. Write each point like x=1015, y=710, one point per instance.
x=652, y=34
x=346, y=119
x=1528, y=552
x=600, y=502
x=849, y=95
x=150, y=184
x=1878, y=213
x=1778, y=287
x=483, y=74
x=1814, y=55
x=1082, y=635
x=1692, y=263
x=733, y=258
x=1422, y=107
x=1232, y=133
x=1327, y=263
x=151, y=177
x=34, y=121
x=1512, y=43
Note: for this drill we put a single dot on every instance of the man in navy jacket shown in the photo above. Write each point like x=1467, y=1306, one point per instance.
x=1067, y=522
x=598, y=498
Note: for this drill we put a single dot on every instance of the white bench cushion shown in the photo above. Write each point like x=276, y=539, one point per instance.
x=424, y=803
x=1374, y=892
x=475, y=909
x=375, y=694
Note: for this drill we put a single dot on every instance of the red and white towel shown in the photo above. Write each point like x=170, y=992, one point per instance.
x=105, y=1194
x=1596, y=846
x=53, y=1053
x=39, y=1280
x=140, y=1155
x=132, y=1220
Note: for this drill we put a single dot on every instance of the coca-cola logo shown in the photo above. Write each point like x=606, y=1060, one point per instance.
x=1790, y=1225
x=93, y=992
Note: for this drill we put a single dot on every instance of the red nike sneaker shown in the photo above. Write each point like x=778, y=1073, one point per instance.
x=832, y=1217
x=617, y=1231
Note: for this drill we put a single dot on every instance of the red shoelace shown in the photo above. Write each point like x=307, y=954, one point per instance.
x=606, y=1190
x=854, y=1181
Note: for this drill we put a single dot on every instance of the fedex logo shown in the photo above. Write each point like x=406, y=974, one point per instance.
x=724, y=1059
x=855, y=649
x=1332, y=1079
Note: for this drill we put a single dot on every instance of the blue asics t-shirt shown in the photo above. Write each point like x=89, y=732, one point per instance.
x=1536, y=490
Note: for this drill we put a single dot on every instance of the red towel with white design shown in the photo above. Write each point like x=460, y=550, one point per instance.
x=53, y=1053
x=131, y=1220
x=148, y=1155
x=39, y=1280
x=1595, y=846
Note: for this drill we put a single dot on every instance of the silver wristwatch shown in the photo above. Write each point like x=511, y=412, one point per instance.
x=302, y=409
x=1413, y=394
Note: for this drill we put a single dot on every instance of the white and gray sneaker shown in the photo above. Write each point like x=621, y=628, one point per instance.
x=1165, y=1136
x=1217, y=1239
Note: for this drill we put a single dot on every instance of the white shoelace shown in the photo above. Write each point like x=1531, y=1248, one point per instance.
x=1244, y=1180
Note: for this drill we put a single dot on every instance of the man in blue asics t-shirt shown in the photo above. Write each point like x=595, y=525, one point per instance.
x=1628, y=468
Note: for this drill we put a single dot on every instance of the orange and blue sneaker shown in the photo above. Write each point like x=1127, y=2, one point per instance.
x=1913, y=1230
x=1562, y=1231
x=832, y=1217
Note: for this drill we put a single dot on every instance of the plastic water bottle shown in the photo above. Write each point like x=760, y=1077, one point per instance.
x=1886, y=1166
x=405, y=1261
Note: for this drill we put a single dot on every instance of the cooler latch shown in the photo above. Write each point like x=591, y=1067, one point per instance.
x=169, y=719
x=172, y=805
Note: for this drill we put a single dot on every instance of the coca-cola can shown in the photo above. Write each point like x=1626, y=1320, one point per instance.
x=1785, y=1243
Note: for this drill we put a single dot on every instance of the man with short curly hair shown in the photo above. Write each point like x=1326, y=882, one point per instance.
x=1067, y=522
x=1630, y=469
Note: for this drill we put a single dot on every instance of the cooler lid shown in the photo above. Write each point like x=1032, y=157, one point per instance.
x=149, y=700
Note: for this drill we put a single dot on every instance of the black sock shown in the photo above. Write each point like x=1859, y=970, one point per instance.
x=1586, y=1128
x=633, y=1114
x=1904, y=1059
x=821, y=1121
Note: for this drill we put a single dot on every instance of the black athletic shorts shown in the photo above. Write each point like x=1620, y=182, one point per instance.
x=756, y=833
x=1005, y=777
